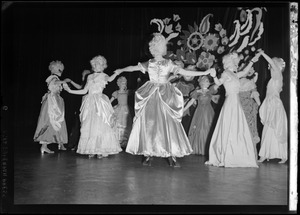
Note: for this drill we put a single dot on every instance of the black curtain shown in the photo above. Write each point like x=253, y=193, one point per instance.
x=34, y=34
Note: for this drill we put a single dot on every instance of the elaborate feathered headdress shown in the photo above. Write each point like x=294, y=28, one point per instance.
x=165, y=27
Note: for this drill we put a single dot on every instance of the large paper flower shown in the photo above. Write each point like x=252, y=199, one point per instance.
x=211, y=42
x=195, y=41
x=205, y=60
x=192, y=39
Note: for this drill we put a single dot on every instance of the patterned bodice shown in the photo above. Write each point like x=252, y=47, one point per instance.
x=159, y=71
x=97, y=82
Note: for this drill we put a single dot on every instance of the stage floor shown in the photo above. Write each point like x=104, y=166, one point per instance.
x=66, y=177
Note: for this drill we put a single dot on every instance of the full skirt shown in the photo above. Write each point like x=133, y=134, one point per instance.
x=97, y=135
x=231, y=144
x=157, y=129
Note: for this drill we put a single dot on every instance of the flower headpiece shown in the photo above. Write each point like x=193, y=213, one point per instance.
x=56, y=66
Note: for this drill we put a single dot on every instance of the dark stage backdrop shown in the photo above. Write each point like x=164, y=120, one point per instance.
x=34, y=34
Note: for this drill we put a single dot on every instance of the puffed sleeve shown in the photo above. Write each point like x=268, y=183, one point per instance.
x=105, y=76
x=88, y=82
x=52, y=78
x=143, y=66
x=174, y=68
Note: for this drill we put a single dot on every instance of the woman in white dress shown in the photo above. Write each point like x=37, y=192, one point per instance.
x=157, y=130
x=273, y=116
x=51, y=126
x=97, y=136
x=231, y=143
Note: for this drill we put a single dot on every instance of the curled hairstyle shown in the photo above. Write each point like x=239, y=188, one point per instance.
x=121, y=80
x=203, y=78
x=230, y=57
x=56, y=66
x=279, y=62
x=157, y=43
x=99, y=60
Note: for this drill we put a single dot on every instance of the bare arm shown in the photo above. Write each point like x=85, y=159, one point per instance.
x=193, y=73
x=275, y=71
x=113, y=97
x=77, y=86
x=59, y=82
x=112, y=77
x=248, y=67
x=76, y=92
x=130, y=69
x=189, y=104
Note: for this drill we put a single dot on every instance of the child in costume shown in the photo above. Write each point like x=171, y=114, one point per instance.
x=122, y=111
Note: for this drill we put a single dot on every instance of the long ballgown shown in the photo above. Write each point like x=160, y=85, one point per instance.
x=273, y=117
x=201, y=126
x=51, y=126
x=231, y=143
x=157, y=129
x=97, y=120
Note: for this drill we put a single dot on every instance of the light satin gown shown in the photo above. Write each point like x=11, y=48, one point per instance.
x=157, y=129
x=51, y=126
x=231, y=143
x=97, y=135
x=273, y=117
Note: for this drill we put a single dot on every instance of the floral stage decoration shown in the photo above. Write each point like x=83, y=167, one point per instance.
x=203, y=44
